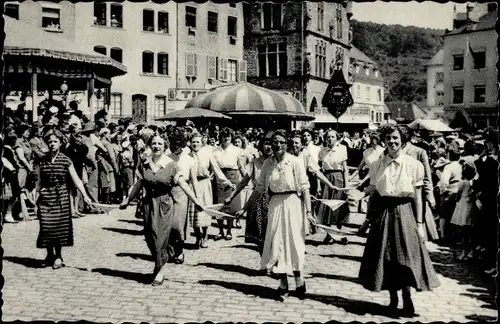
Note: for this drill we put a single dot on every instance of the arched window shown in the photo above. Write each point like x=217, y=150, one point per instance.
x=100, y=49
x=139, y=108
x=116, y=54
x=314, y=106
x=148, y=62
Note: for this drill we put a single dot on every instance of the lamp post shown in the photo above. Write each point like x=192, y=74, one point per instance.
x=337, y=96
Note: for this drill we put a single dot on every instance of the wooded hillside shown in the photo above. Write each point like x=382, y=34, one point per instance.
x=401, y=52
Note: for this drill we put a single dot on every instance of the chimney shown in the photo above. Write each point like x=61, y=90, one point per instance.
x=492, y=7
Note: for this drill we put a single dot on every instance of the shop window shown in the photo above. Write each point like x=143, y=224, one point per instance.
x=160, y=106
x=115, y=105
x=213, y=19
x=116, y=54
x=147, y=62
x=51, y=18
x=148, y=20
x=163, y=63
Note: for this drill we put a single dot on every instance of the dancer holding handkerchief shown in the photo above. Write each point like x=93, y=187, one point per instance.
x=285, y=179
x=395, y=256
x=164, y=208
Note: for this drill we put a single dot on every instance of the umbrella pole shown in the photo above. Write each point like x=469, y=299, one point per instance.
x=337, y=124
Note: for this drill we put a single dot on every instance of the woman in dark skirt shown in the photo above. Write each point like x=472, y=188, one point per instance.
x=162, y=178
x=54, y=211
x=395, y=257
x=333, y=162
x=256, y=207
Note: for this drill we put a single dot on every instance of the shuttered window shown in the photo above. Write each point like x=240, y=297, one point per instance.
x=191, y=65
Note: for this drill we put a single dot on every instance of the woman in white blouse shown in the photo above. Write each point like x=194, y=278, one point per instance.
x=333, y=162
x=395, y=256
x=231, y=161
x=285, y=179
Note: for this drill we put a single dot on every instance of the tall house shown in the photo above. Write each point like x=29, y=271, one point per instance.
x=294, y=47
x=435, y=84
x=470, y=72
x=209, y=49
x=367, y=91
x=142, y=36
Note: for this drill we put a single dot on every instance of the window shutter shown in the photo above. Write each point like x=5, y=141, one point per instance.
x=242, y=69
x=223, y=69
x=212, y=67
x=195, y=64
x=190, y=65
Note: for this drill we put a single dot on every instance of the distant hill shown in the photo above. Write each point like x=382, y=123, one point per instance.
x=401, y=53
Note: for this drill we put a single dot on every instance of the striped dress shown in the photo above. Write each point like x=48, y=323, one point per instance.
x=56, y=227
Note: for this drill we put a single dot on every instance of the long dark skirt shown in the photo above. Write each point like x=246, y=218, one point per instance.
x=395, y=257
x=340, y=216
x=255, y=230
x=161, y=226
x=54, y=212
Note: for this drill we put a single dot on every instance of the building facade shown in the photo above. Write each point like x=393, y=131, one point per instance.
x=470, y=72
x=435, y=85
x=209, y=49
x=294, y=47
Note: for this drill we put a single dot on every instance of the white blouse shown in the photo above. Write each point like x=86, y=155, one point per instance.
x=371, y=155
x=397, y=177
x=286, y=176
x=332, y=158
x=228, y=158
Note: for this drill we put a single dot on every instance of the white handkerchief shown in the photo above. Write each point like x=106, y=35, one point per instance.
x=106, y=207
x=334, y=204
x=355, y=195
x=332, y=230
x=218, y=214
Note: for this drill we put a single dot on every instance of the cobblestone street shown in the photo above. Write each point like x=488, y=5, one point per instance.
x=106, y=279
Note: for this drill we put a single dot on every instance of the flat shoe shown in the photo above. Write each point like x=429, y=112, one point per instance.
x=203, y=244
x=179, y=259
x=229, y=237
x=57, y=265
x=282, y=291
x=219, y=237
x=157, y=282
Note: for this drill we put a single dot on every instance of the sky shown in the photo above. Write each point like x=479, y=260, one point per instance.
x=425, y=14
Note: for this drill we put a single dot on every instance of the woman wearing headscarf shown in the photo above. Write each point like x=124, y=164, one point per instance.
x=231, y=161
x=54, y=210
x=256, y=207
x=284, y=178
x=395, y=257
x=162, y=179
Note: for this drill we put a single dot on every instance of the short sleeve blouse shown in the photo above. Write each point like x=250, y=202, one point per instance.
x=332, y=158
x=228, y=158
x=286, y=176
x=397, y=177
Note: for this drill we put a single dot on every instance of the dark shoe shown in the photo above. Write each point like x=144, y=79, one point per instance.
x=179, y=259
x=237, y=225
x=363, y=229
x=328, y=239
x=408, y=308
x=344, y=241
x=228, y=237
x=48, y=262
x=301, y=291
x=282, y=291
x=393, y=305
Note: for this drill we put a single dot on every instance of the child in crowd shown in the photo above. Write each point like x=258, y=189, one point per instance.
x=463, y=215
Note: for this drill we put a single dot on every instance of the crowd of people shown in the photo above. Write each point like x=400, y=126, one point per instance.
x=416, y=186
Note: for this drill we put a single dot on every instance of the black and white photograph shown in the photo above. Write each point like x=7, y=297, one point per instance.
x=252, y=161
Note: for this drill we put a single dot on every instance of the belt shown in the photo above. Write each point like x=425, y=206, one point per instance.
x=272, y=193
x=228, y=169
x=396, y=201
x=331, y=171
x=202, y=178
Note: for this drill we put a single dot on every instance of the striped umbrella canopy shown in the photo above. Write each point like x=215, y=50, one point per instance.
x=249, y=99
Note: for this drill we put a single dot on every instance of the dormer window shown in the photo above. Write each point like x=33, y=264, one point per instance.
x=367, y=70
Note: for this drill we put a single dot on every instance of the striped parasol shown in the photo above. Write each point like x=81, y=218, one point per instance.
x=249, y=99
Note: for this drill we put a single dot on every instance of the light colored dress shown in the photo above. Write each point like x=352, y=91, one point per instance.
x=284, y=245
x=462, y=216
